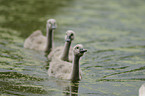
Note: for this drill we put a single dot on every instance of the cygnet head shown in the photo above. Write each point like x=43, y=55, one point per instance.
x=69, y=36
x=51, y=24
x=79, y=50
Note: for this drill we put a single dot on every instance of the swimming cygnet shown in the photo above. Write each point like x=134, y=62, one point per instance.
x=142, y=90
x=37, y=41
x=63, y=52
x=66, y=70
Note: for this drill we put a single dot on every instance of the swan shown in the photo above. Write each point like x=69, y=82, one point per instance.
x=64, y=52
x=66, y=70
x=142, y=90
x=37, y=41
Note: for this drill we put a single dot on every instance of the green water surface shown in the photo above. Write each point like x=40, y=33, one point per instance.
x=113, y=31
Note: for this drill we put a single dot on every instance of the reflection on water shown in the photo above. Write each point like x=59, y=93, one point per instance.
x=113, y=32
x=72, y=90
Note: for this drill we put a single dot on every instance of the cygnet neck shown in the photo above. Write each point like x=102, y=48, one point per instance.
x=75, y=75
x=49, y=36
x=65, y=53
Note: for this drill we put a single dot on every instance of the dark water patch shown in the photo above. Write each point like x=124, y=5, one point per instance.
x=96, y=94
x=126, y=57
x=16, y=75
x=19, y=16
x=5, y=92
x=137, y=46
x=3, y=43
x=129, y=71
x=22, y=88
x=118, y=68
x=122, y=80
x=107, y=50
x=12, y=56
x=91, y=67
x=4, y=63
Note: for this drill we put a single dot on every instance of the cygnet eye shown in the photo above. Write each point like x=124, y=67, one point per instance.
x=71, y=34
x=77, y=47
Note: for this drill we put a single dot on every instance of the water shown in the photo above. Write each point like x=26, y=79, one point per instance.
x=112, y=30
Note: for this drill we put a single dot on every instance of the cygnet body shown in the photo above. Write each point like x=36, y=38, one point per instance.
x=66, y=70
x=37, y=41
x=64, y=52
x=142, y=90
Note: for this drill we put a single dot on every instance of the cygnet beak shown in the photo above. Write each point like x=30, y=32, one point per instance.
x=68, y=39
x=83, y=50
x=53, y=26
